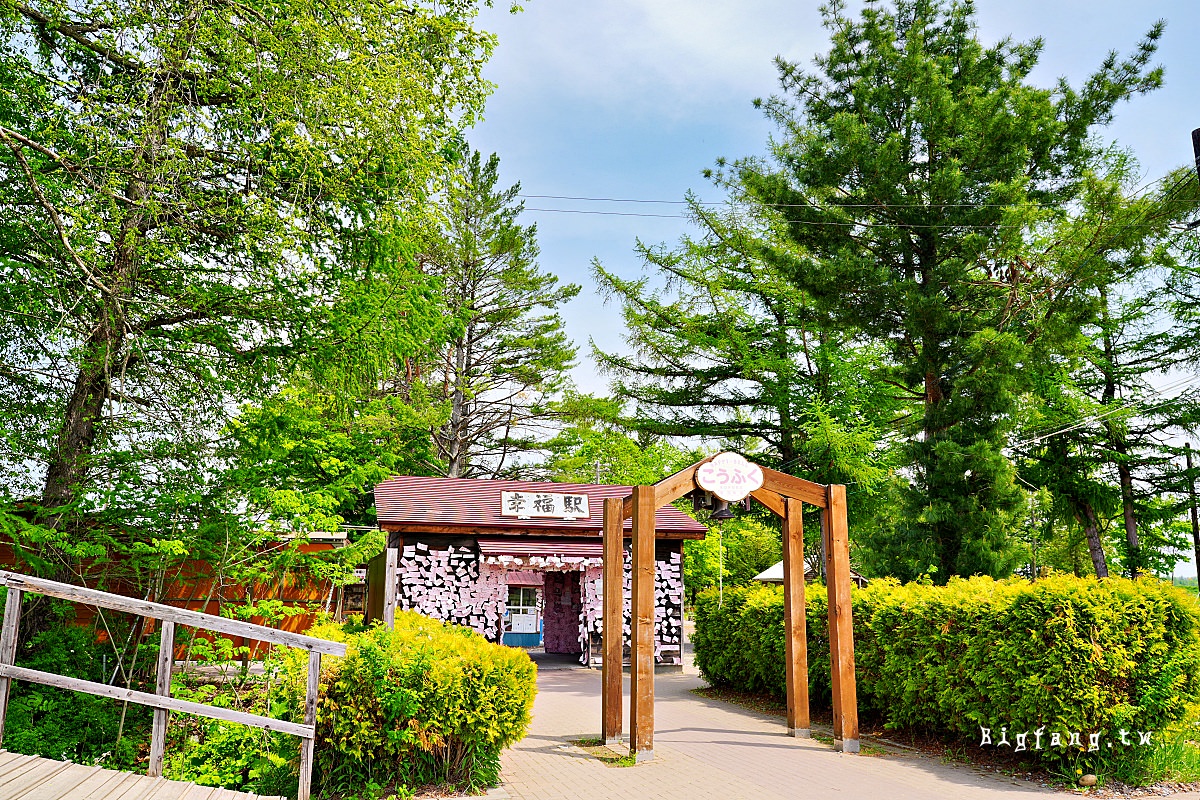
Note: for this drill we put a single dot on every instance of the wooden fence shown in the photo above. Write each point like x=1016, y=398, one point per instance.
x=161, y=700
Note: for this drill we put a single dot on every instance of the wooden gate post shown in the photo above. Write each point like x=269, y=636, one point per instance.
x=8, y=646
x=613, y=617
x=794, y=622
x=841, y=623
x=162, y=687
x=641, y=707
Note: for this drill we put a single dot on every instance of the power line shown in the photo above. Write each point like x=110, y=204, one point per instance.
x=903, y=225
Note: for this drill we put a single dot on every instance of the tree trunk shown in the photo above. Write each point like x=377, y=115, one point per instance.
x=1092, y=528
x=456, y=452
x=77, y=434
x=1117, y=440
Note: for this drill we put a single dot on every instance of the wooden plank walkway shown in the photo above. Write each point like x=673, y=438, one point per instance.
x=33, y=778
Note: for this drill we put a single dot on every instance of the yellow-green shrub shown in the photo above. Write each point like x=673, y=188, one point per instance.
x=1064, y=654
x=425, y=703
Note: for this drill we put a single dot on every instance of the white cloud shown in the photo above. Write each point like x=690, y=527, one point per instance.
x=665, y=57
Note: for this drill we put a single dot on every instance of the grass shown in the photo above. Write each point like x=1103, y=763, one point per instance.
x=595, y=747
x=1176, y=759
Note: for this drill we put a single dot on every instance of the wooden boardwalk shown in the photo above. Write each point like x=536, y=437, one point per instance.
x=32, y=778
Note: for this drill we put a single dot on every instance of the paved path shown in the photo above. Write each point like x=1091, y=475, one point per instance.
x=710, y=749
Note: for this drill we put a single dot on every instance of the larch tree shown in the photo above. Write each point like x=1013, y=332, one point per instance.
x=177, y=182
x=912, y=165
x=500, y=373
x=1098, y=431
x=723, y=347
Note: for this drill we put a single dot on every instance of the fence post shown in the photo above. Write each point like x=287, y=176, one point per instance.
x=158, y=733
x=8, y=646
x=310, y=718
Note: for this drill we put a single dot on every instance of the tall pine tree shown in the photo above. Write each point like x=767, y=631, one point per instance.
x=914, y=161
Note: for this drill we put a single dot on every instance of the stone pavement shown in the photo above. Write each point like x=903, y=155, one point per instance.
x=710, y=749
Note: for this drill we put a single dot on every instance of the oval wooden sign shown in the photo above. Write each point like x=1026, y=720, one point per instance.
x=730, y=477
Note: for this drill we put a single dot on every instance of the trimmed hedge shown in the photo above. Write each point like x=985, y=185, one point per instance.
x=1067, y=654
x=423, y=704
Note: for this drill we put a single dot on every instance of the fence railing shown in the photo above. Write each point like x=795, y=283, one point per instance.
x=161, y=700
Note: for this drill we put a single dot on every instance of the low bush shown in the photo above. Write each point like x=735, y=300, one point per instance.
x=72, y=726
x=1064, y=654
x=423, y=704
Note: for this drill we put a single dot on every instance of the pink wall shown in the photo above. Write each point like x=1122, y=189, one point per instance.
x=561, y=616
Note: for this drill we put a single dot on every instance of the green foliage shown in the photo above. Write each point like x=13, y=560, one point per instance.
x=426, y=703
x=72, y=726
x=1066, y=653
x=194, y=202
x=590, y=445
x=498, y=375
x=312, y=464
x=742, y=547
x=233, y=756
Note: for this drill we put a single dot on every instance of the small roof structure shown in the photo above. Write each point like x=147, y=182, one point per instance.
x=774, y=574
x=468, y=506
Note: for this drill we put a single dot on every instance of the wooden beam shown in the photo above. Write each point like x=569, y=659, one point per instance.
x=613, y=622
x=772, y=500
x=794, y=622
x=502, y=530
x=790, y=486
x=841, y=628
x=153, y=700
x=180, y=616
x=641, y=708
x=391, y=579
x=8, y=646
x=673, y=487
x=162, y=687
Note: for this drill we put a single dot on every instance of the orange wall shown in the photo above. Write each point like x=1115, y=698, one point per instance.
x=193, y=588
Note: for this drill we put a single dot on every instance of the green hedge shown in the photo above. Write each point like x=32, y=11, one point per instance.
x=1067, y=654
x=423, y=704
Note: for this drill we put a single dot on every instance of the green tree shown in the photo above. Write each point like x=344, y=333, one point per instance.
x=500, y=374
x=727, y=349
x=1097, y=430
x=914, y=163
x=303, y=461
x=592, y=450
x=179, y=188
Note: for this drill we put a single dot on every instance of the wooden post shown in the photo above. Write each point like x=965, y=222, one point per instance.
x=8, y=646
x=158, y=732
x=613, y=620
x=310, y=718
x=390, y=585
x=796, y=639
x=834, y=672
x=841, y=624
x=641, y=706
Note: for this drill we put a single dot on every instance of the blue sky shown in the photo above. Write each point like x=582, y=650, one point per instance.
x=631, y=99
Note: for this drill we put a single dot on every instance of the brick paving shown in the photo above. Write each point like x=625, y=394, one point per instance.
x=709, y=749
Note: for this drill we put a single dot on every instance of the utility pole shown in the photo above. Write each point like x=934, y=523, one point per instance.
x=597, y=471
x=1195, y=517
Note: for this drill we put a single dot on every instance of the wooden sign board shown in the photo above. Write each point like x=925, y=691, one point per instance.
x=730, y=477
x=527, y=505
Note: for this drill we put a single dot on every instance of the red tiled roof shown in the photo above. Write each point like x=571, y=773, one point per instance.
x=470, y=503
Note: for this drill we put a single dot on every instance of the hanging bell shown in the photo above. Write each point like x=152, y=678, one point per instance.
x=721, y=510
